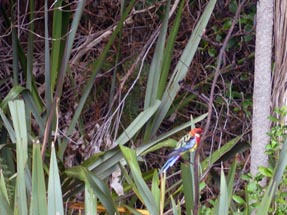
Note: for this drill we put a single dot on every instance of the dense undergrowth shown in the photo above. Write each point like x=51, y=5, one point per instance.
x=113, y=86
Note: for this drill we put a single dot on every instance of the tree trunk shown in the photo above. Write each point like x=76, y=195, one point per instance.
x=262, y=85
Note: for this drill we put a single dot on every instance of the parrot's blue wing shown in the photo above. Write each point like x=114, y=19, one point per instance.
x=169, y=163
x=184, y=146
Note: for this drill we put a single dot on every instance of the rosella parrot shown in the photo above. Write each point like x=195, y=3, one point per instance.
x=187, y=143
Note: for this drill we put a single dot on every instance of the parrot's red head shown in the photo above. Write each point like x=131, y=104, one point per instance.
x=196, y=133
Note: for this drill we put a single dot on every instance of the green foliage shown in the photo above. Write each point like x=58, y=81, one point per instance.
x=277, y=153
x=277, y=133
x=39, y=204
x=29, y=192
x=144, y=192
x=100, y=189
x=270, y=199
x=6, y=175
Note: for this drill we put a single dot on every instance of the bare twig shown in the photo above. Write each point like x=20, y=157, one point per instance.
x=210, y=104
